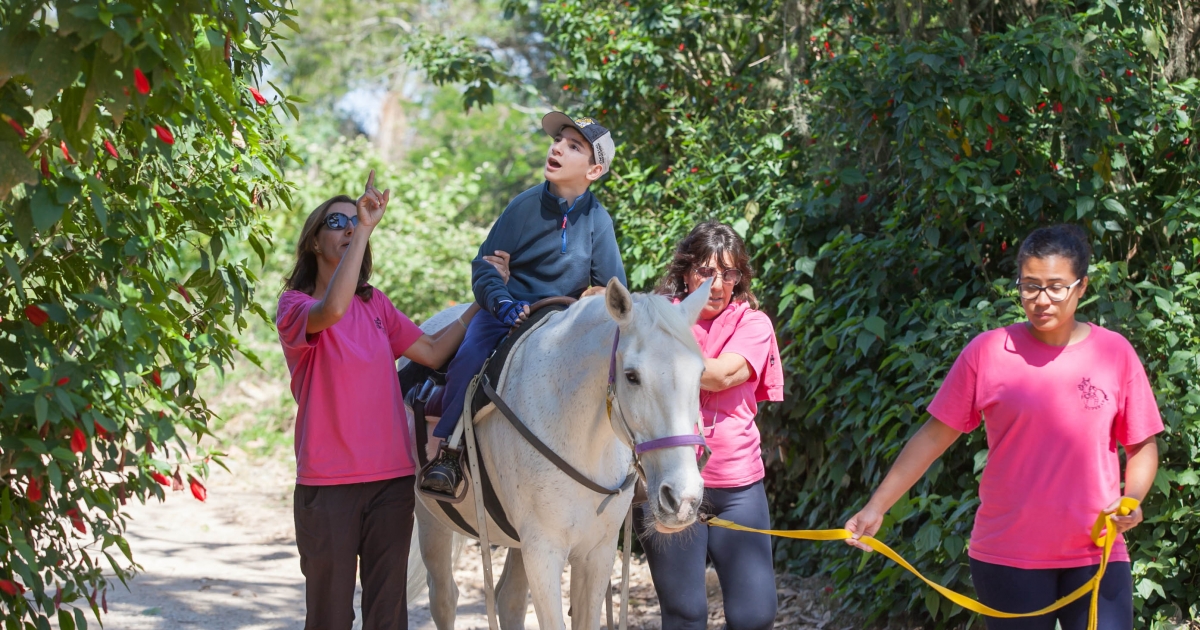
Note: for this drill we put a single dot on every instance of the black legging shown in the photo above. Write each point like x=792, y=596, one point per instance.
x=1025, y=590
x=743, y=562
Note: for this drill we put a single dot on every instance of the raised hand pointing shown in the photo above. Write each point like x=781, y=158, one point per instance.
x=372, y=203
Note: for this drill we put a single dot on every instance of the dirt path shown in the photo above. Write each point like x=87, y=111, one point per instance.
x=232, y=563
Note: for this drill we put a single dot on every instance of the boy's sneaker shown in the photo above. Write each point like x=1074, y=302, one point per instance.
x=444, y=475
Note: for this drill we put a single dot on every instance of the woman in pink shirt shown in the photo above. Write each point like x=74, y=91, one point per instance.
x=741, y=368
x=354, y=468
x=1057, y=396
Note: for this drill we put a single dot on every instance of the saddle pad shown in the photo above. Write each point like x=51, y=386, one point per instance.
x=499, y=359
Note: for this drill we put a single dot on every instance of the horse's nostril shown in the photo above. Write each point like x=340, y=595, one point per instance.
x=667, y=499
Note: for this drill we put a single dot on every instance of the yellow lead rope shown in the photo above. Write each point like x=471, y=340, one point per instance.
x=1103, y=524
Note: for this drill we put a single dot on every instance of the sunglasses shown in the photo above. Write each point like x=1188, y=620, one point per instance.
x=339, y=221
x=729, y=276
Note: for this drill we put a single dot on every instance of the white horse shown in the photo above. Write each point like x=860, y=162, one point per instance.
x=556, y=382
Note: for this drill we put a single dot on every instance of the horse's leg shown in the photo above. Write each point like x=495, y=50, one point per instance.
x=544, y=564
x=437, y=551
x=590, y=577
x=512, y=592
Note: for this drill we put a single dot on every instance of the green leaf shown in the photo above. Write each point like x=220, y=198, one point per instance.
x=851, y=177
x=1115, y=206
x=876, y=325
x=806, y=266
x=46, y=212
x=864, y=341
x=1083, y=206
x=15, y=168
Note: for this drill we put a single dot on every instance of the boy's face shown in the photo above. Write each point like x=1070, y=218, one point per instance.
x=569, y=159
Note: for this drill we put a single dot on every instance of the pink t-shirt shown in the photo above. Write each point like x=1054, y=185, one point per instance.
x=728, y=415
x=351, y=425
x=1054, y=416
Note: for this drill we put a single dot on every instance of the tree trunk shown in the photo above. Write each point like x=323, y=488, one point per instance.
x=1185, y=21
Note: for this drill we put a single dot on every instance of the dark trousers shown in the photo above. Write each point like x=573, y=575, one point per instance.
x=1026, y=590
x=483, y=335
x=743, y=562
x=338, y=525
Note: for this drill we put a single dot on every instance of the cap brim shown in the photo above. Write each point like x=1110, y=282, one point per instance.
x=554, y=122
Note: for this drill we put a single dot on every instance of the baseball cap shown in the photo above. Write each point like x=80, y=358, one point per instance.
x=597, y=134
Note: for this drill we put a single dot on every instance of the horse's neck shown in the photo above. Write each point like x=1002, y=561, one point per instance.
x=564, y=377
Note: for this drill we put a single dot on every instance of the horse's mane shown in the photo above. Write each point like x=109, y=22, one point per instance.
x=663, y=314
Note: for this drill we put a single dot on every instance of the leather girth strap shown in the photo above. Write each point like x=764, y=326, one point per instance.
x=490, y=500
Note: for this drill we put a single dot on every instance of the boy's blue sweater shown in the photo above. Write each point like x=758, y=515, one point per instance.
x=555, y=249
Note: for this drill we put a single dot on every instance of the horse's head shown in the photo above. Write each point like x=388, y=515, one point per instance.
x=657, y=386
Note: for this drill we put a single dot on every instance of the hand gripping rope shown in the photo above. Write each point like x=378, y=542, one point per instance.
x=1104, y=534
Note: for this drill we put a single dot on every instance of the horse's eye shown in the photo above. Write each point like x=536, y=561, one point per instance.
x=632, y=377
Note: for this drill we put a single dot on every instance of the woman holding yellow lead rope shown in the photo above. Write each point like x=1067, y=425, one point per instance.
x=1057, y=396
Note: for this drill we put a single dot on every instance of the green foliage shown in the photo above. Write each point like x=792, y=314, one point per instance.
x=121, y=199
x=883, y=161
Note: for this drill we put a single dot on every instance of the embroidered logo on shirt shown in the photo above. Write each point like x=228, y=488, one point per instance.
x=378, y=323
x=1093, y=397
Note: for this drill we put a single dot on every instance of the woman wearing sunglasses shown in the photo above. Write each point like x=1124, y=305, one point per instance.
x=354, y=472
x=741, y=368
x=1057, y=396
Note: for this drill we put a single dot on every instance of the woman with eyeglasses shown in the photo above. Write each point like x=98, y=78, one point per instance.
x=354, y=494
x=1056, y=396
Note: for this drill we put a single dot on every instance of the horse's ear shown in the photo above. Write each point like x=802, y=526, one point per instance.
x=694, y=303
x=619, y=302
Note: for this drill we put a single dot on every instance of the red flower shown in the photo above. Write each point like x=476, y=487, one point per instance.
x=45, y=167
x=1003, y=247
x=164, y=134
x=957, y=157
x=662, y=86
x=1107, y=99
x=108, y=146
x=990, y=130
x=184, y=292
x=140, y=81
x=66, y=153
x=258, y=97
x=916, y=270
x=198, y=489
x=695, y=169
x=1018, y=171
x=604, y=59
x=981, y=227
x=1058, y=107
x=77, y=520
x=1002, y=117
x=566, y=87
x=1129, y=73
x=78, y=441
x=1042, y=105
x=962, y=61
x=63, y=381
x=862, y=198
x=154, y=376
x=36, y=315
x=16, y=127
x=681, y=47
x=827, y=45
x=11, y=588
x=1183, y=108
x=160, y=478
x=34, y=491
x=988, y=145
x=1187, y=141
x=101, y=432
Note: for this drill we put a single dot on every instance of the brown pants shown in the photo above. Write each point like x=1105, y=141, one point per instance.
x=337, y=525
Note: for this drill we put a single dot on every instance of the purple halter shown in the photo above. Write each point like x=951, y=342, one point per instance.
x=652, y=445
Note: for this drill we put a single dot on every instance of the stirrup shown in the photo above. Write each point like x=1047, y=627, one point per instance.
x=450, y=457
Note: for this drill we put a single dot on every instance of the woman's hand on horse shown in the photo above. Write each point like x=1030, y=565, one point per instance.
x=500, y=262
x=866, y=523
x=372, y=203
x=1127, y=522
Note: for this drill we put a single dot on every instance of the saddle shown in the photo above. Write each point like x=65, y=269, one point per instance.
x=424, y=391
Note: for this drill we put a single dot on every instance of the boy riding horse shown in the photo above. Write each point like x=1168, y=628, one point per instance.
x=560, y=240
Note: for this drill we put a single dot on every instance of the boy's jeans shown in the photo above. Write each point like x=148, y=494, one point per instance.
x=483, y=335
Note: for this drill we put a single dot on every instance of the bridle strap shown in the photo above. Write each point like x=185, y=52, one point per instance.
x=668, y=442
x=612, y=361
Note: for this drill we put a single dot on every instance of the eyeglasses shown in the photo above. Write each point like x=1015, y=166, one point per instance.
x=730, y=276
x=339, y=221
x=1056, y=292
